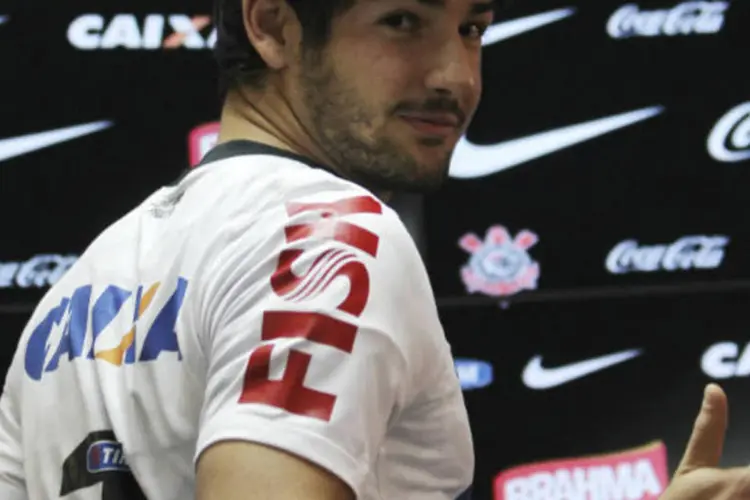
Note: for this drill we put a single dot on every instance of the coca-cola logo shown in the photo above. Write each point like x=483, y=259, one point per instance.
x=688, y=18
x=38, y=272
x=729, y=140
x=690, y=252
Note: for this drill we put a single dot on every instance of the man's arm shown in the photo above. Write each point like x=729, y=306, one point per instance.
x=12, y=480
x=242, y=470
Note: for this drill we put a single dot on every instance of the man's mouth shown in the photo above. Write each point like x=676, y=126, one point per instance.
x=434, y=124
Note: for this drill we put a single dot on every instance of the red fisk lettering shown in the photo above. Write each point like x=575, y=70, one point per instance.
x=328, y=266
x=289, y=393
x=338, y=230
x=311, y=326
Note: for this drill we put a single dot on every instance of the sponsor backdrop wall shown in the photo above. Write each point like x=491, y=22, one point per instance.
x=588, y=253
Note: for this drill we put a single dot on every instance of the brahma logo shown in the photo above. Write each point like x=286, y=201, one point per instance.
x=637, y=474
x=500, y=265
x=729, y=140
x=129, y=32
x=201, y=140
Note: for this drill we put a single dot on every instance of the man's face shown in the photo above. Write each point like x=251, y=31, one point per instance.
x=391, y=93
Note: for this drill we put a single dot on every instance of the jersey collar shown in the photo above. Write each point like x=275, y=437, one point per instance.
x=242, y=147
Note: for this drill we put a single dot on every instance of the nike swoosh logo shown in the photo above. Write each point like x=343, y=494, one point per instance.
x=17, y=146
x=535, y=376
x=471, y=160
x=507, y=29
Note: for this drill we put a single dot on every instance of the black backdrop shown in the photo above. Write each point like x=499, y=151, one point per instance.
x=661, y=153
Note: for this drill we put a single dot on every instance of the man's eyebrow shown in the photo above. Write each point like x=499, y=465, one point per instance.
x=432, y=3
x=476, y=8
x=482, y=7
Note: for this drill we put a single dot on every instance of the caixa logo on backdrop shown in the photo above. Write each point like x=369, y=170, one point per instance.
x=37, y=272
x=725, y=360
x=689, y=252
x=636, y=474
x=500, y=265
x=687, y=18
x=149, y=32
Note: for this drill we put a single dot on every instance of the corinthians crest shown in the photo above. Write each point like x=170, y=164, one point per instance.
x=500, y=265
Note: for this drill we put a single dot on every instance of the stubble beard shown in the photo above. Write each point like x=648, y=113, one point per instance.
x=340, y=125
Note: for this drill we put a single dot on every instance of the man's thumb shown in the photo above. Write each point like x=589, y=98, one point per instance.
x=707, y=440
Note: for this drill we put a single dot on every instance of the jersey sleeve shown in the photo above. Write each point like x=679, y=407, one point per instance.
x=311, y=316
x=12, y=479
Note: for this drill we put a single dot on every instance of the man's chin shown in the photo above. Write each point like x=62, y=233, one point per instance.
x=416, y=184
x=427, y=180
x=428, y=184
x=403, y=170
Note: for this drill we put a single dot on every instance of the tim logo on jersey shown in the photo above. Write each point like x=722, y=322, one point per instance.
x=116, y=325
x=106, y=455
x=100, y=459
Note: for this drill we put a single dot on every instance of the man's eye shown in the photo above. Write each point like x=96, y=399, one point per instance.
x=474, y=30
x=403, y=21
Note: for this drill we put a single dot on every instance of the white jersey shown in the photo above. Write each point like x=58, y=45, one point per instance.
x=261, y=298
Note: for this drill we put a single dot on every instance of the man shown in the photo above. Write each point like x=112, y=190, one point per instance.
x=265, y=328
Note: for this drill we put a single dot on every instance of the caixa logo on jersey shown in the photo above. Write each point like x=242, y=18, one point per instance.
x=473, y=373
x=690, y=252
x=687, y=18
x=729, y=140
x=38, y=272
x=150, y=32
x=500, y=265
x=201, y=140
x=111, y=324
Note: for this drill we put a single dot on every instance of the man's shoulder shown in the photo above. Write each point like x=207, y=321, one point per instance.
x=262, y=205
x=280, y=189
x=244, y=177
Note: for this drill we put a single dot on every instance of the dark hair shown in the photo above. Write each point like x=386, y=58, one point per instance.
x=239, y=63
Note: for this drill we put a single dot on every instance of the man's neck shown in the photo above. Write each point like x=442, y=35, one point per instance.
x=266, y=118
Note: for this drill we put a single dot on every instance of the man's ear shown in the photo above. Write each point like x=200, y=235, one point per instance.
x=267, y=25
